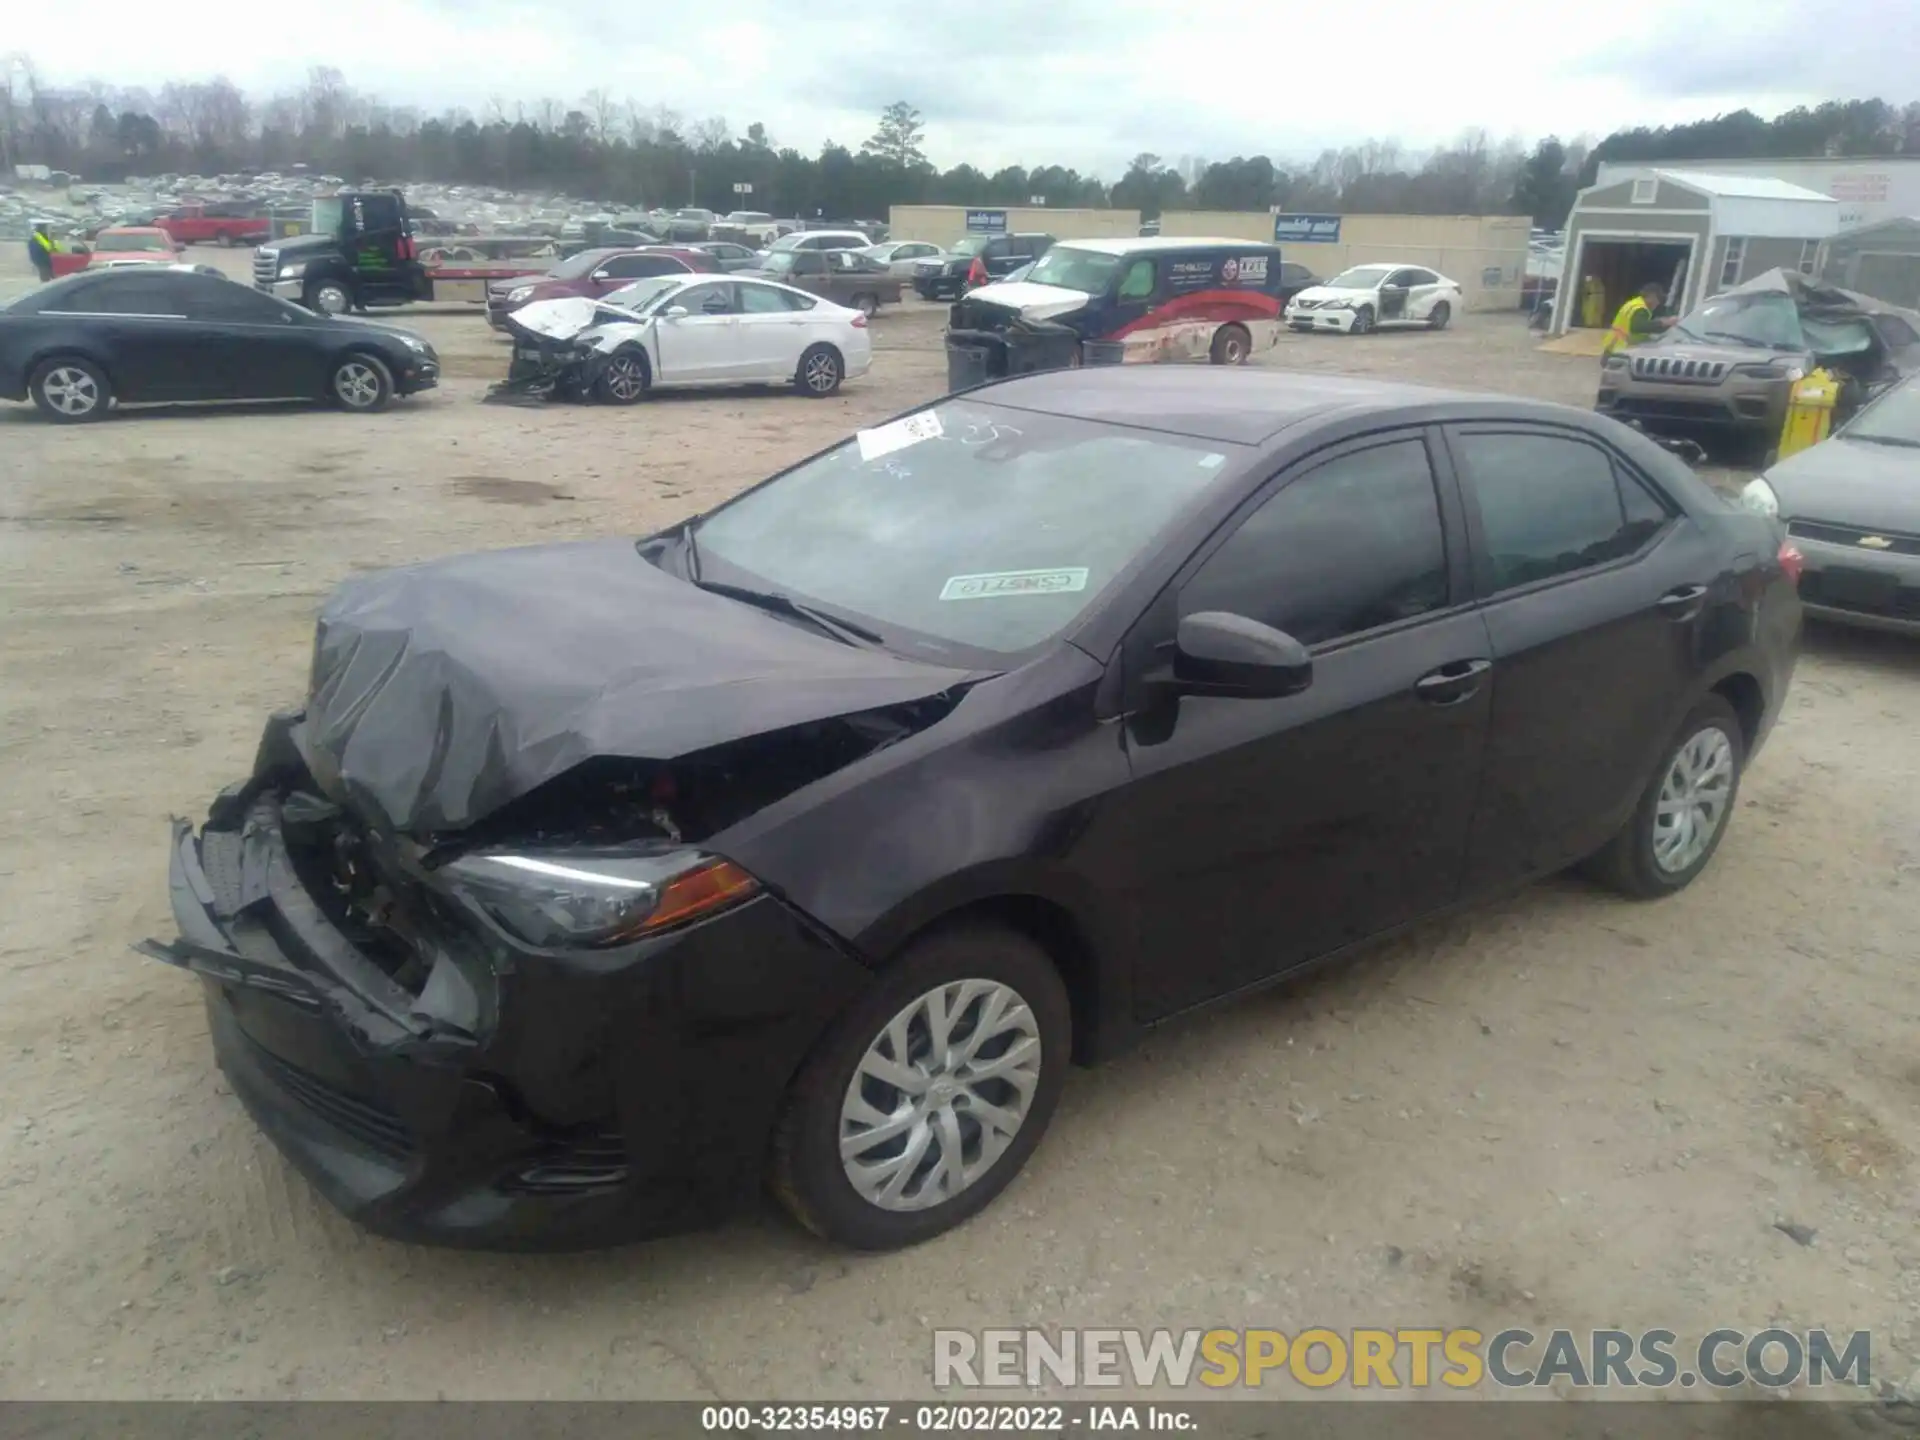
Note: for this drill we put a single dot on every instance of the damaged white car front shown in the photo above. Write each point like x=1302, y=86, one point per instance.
x=576, y=348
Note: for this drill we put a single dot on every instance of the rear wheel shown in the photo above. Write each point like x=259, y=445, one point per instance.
x=1683, y=813
x=820, y=372
x=361, y=383
x=624, y=379
x=71, y=391
x=226, y=241
x=928, y=1095
x=1231, y=345
x=1362, y=321
x=1438, y=316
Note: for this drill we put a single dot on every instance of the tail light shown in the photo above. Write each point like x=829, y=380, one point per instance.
x=1792, y=562
x=859, y=322
x=977, y=272
x=406, y=247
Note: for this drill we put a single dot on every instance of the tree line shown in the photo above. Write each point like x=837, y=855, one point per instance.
x=623, y=153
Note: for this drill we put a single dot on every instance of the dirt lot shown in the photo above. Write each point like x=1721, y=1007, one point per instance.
x=1566, y=1110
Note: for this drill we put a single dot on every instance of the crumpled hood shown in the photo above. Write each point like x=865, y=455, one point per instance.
x=1033, y=302
x=442, y=691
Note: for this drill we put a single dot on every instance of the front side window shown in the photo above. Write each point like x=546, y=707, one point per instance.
x=1138, y=284
x=1353, y=544
x=642, y=293
x=1552, y=505
x=639, y=267
x=993, y=534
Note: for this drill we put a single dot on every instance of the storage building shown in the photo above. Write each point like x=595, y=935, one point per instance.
x=1880, y=260
x=1695, y=233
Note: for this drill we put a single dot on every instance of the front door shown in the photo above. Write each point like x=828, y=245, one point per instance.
x=154, y=351
x=1596, y=598
x=259, y=347
x=1393, y=295
x=1259, y=834
x=701, y=347
x=378, y=231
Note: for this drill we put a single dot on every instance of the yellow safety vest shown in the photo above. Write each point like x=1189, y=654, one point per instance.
x=1621, y=335
x=45, y=242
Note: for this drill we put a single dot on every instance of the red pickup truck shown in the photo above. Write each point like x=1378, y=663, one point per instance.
x=215, y=224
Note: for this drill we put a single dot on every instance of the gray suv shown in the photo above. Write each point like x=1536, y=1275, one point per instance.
x=1728, y=368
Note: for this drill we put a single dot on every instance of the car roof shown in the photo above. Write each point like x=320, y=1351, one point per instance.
x=1242, y=407
x=1152, y=244
x=131, y=230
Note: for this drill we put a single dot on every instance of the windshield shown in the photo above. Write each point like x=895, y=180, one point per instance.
x=994, y=533
x=970, y=244
x=108, y=243
x=778, y=262
x=1758, y=321
x=577, y=267
x=1361, y=277
x=1072, y=269
x=1893, y=419
x=642, y=293
x=329, y=215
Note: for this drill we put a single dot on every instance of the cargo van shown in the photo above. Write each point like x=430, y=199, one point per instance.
x=1138, y=301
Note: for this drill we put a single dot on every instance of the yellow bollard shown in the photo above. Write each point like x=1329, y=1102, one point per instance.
x=1809, y=412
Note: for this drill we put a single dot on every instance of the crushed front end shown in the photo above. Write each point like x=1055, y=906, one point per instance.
x=455, y=1057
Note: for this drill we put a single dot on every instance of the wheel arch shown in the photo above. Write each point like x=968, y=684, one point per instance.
x=50, y=353
x=1743, y=692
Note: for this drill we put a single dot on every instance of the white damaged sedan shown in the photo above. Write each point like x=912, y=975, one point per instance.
x=687, y=331
x=1376, y=297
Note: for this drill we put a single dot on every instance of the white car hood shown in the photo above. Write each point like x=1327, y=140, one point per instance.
x=1324, y=293
x=605, y=327
x=1034, y=302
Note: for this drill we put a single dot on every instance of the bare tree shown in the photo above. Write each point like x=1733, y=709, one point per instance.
x=710, y=134
x=600, y=110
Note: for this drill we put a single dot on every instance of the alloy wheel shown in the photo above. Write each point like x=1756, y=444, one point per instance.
x=331, y=300
x=822, y=374
x=940, y=1095
x=71, y=391
x=357, y=385
x=1693, y=800
x=625, y=379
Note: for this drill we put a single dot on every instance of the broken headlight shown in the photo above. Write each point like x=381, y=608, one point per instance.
x=568, y=899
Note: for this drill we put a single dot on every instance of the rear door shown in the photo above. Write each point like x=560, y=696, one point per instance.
x=1597, y=592
x=1259, y=834
x=702, y=347
x=773, y=331
x=151, y=350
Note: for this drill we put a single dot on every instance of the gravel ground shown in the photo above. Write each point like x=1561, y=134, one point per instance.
x=1564, y=1110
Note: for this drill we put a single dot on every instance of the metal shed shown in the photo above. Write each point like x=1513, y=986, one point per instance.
x=1695, y=233
x=1880, y=260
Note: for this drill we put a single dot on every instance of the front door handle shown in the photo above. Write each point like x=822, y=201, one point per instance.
x=1453, y=682
x=1683, y=602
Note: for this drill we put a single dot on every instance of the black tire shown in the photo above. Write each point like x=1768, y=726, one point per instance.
x=624, y=379
x=1438, y=316
x=1232, y=345
x=819, y=373
x=806, y=1171
x=71, y=391
x=868, y=305
x=326, y=296
x=1630, y=863
x=226, y=241
x=360, y=383
x=1362, y=321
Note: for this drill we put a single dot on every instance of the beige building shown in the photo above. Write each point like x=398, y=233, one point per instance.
x=1487, y=254
x=944, y=224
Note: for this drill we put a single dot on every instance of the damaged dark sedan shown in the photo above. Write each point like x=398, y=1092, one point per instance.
x=806, y=843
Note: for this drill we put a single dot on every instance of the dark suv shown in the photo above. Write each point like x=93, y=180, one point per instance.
x=995, y=255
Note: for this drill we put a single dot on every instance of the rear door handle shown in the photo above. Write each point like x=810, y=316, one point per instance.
x=1683, y=602
x=1453, y=682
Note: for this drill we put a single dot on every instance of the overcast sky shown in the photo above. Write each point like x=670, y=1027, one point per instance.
x=1087, y=83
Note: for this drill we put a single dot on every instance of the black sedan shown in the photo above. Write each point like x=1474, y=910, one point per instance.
x=165, y=334
x=808, y=841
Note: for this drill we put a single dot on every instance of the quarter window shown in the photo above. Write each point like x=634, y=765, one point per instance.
x=1353, y=544
x=1552, y=505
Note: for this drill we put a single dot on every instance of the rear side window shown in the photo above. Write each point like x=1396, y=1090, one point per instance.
x=1551, y=505
x=1353, y=544
x=766, y=300
x=128, y=295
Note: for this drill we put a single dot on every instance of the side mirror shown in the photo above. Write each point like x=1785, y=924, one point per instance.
x=674, y=312
x=601, y=275
x=1229, y=655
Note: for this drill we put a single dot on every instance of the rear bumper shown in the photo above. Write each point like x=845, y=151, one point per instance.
x=580, y=1101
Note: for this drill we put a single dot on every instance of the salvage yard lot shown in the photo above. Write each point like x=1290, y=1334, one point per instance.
x=1566, y=1110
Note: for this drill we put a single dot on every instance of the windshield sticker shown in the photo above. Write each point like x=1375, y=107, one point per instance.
x=1013, y=582
x=1212, y=462
x=898, y=435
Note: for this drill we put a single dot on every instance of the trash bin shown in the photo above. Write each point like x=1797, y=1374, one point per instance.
x=1103, y=352
x=970, y=364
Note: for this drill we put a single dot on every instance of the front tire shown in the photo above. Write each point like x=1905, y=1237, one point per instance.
x=819, y=373
x=1683, y=813
x=329, y=297
x=1362, y=321
x=624, y=379
x=1232, y=345
x=361, y=383
x=1438, y=316
x=71, y=391
x=929, y=1094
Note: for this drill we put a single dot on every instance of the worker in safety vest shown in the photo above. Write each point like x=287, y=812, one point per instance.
x=1637, y=320
x=41, y=249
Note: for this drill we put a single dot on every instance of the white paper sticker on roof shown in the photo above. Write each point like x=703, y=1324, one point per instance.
x=898, y=435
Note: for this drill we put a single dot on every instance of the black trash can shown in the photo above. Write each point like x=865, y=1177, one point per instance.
x=1103, y=352
x=1037, y=345
x=968, y=365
